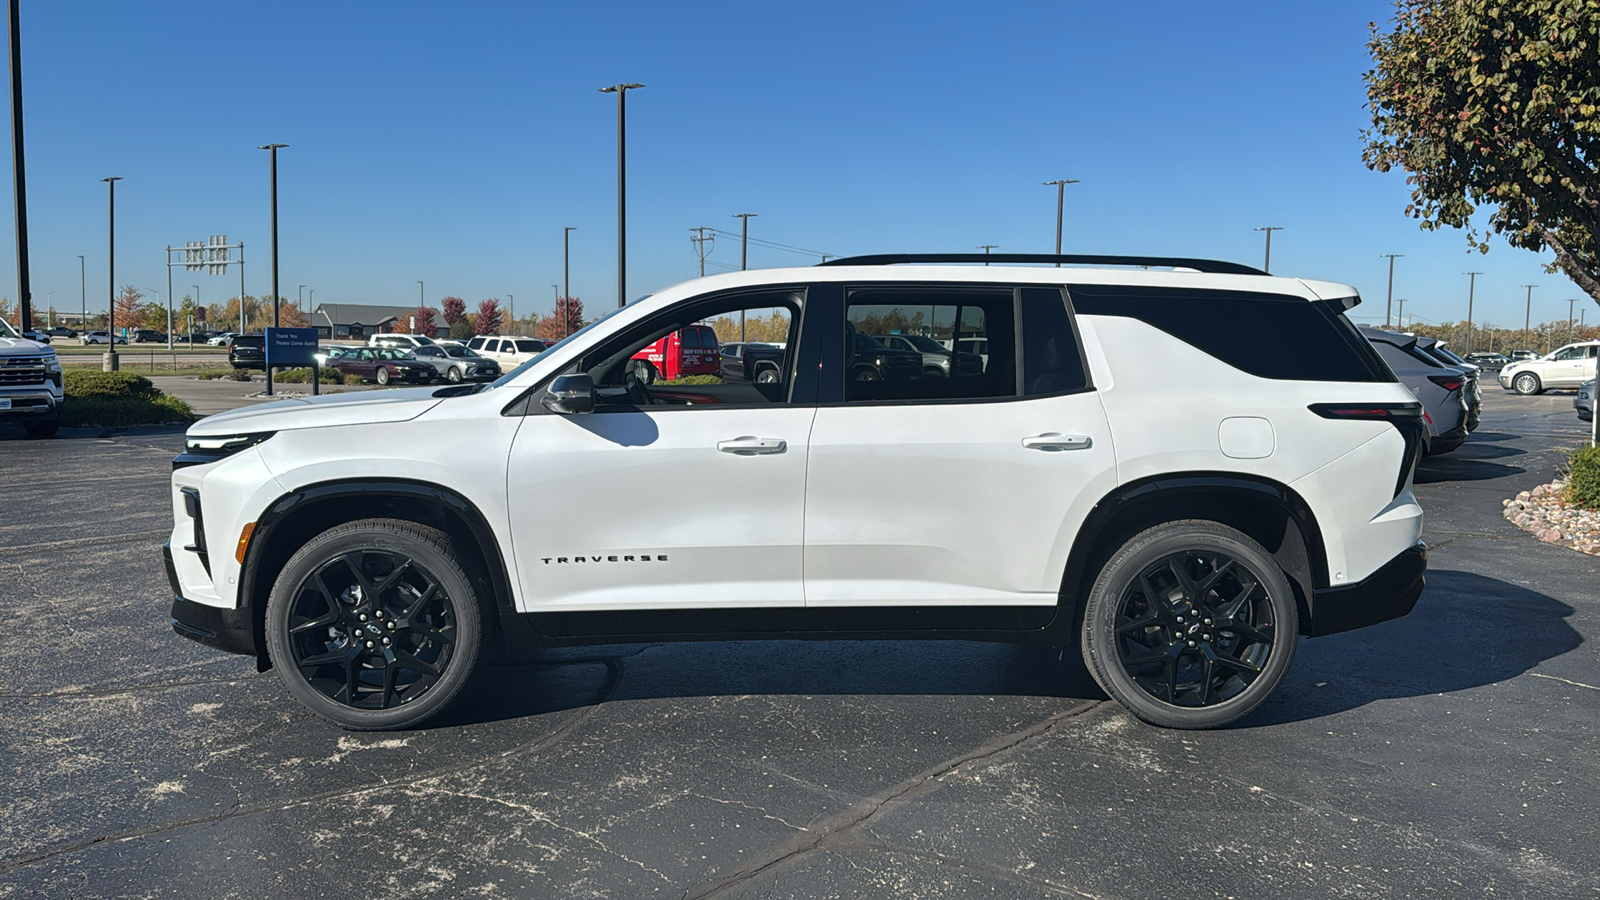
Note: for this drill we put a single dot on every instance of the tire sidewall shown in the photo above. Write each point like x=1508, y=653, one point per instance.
x=1526, y=378
x=1099, y=650
x=454, y=375
x=377, y=535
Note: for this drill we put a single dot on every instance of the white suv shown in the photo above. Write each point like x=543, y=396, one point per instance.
x=1182, y=524
x=1567, y=367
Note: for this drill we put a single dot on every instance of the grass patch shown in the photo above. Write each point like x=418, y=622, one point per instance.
x=691, y=379
x=115, y=399
x=1583, y=478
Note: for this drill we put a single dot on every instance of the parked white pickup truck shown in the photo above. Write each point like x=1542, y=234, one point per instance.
x=30, y=382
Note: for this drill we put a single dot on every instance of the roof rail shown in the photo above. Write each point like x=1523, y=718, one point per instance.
x=1211, y=266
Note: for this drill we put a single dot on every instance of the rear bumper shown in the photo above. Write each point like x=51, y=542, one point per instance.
x=225, y=629
x=1389, y=593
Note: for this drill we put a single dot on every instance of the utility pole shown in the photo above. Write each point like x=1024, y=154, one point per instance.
x=1400, y=317
x=1471, y=288
x=986, y=248
x=1061, y=196
x=1269, y=229
x=699, y=241
x=621, y=90
x=566, y=261
x=1527, y=315
x=744, y=239
x=1390, y=305
x=83, y=295
x=19, y=176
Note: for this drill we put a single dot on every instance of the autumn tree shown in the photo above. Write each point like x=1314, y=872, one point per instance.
x=153, y=316
x=425, y=323
x=1497, y=104
x=290, y=315
x=488, y=320
x=455, y=310
x=125, y=307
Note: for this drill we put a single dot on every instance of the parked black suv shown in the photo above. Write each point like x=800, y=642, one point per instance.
x=248, y=351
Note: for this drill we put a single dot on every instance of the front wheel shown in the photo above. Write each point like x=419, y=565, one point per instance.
x=767, y=375
x=1526, y=383
x=383, y=376
x=44, y=427
x=454, y=375
x=1191, y=624
x=374, y=624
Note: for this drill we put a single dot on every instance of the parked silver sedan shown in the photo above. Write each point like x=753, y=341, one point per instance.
x=457, y=364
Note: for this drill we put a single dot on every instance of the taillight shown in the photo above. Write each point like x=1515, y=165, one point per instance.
x=1448, y=382
x=1403, y=416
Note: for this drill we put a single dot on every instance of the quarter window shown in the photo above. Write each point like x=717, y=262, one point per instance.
x=1051, y=363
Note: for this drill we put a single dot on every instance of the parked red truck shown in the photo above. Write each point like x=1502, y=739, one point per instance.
x=691, y=350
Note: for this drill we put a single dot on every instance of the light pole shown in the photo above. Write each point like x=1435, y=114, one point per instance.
x=1390, y=306
x=1471, y=289
x=511, y=306
x=109, y=361
x=273, y=150
x=744, y=255
x=1570, y=320
x=191, y=318
x=300, y=298
x=566, y=260
x=83, y=295
x=621, y=90
x=50, y=308
x=1269, y=229
x=422, y=295
x=19, y=179
x=1061, y=196
x=1527, y=314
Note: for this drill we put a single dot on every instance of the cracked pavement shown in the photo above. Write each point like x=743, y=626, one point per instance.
x=1451, y=752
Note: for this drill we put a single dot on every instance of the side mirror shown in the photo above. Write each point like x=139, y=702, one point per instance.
x=570, y=394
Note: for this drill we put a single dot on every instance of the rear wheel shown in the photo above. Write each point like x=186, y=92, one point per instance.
x=1526, y=383
x=374, y=624
x=766, y=375
x=1191, y=624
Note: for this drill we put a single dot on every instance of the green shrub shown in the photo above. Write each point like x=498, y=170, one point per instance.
x=114, y=413
x=692, y=379
x=240, y=375
x=1583, y=478
x=462, y=331
x=352, y=379
x=80, y=384
x=303, y=376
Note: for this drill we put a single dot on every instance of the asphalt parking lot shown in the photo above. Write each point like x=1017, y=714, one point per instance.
x=1455, y=752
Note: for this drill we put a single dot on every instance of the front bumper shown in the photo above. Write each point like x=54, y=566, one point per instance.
x=1389, y=593
x=30, y=404
x=232, y=630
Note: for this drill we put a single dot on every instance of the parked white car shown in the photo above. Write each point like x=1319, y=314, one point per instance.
x=1182, y=533
x=1567, y=367
x=223, y=339
x=400, y=341
x=509, y=350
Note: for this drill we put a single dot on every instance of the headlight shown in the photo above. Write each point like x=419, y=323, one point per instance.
x=201, y=450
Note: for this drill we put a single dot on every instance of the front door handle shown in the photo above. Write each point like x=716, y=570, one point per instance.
x=752, y=446
x=1052, y=441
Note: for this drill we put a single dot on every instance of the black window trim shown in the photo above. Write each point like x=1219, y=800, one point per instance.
x=837, y=341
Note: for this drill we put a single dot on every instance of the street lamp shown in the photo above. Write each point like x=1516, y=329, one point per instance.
x=422, y=295
x=109, y=361
x=1269, y=229
x=1061, y=196
x=191, y=318
x=566, y=259
x=83, y=296
x=621, y=90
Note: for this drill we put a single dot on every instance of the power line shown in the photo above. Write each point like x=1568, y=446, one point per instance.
x=771, y=244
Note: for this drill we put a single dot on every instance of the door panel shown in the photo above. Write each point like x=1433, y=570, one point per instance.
x=640, y=509
x=945, y=504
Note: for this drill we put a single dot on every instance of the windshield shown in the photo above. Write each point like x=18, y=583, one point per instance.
x=503, y=379
x=1444, y=351
x=925, y=344
x=461, y=353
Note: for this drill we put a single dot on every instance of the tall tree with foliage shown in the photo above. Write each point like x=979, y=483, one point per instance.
x=455, y=310
x=488, y=321
x=1487, y=103
x=425, y=326
x=126, y=308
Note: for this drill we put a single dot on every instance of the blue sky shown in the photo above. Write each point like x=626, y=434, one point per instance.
x=450, y=143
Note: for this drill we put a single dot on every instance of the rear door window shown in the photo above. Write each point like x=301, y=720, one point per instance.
x=949, y=317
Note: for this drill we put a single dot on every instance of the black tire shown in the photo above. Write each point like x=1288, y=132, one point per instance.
x=933, y=371
x=44, y=427
x=1527, y=384
x=355, y=586
x=865, y=374
x=382, y=376
x=1183, y=601
x=454, y=375
x=767, y=375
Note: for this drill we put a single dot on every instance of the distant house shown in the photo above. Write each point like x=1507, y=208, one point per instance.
x=356, y=321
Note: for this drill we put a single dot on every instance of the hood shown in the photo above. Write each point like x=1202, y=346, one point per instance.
x=22, y=347
x=363, y=408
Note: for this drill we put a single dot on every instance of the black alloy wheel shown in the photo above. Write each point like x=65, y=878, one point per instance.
x=1191, y=624
x=374, y=624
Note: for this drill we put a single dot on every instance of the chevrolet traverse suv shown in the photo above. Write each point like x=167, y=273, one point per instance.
x=1182, y=534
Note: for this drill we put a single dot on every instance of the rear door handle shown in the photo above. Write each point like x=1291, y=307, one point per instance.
x=752, y=446
x=1052, y=441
